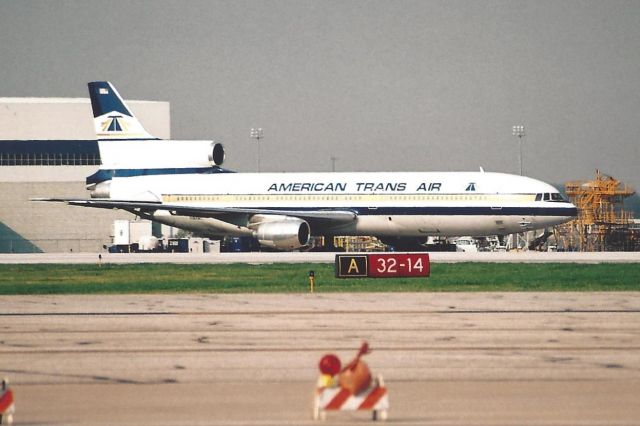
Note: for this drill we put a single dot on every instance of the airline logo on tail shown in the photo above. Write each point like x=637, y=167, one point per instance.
x=114, y=124
x=112, y=119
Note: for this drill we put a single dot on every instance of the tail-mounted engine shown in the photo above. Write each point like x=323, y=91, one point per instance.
x=148, y=154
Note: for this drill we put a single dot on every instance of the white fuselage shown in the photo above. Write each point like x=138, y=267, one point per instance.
x=411, y=204
x=180, y=183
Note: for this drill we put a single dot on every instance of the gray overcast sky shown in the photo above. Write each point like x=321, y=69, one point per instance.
x=381, y=85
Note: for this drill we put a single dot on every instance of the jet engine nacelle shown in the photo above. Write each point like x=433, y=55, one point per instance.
x=287, y=234
x=144, y=154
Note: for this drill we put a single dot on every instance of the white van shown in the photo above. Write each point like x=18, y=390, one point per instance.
x=466, y=244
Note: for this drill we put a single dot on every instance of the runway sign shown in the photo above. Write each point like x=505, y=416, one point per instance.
x=382, y=265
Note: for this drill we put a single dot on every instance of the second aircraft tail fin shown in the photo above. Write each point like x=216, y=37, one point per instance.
x=112, y=119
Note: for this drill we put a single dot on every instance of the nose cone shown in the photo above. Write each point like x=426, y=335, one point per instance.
x=569, y=213
x=573, y=211
x=562, y=213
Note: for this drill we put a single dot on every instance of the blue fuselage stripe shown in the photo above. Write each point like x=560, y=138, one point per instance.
x=107, y=174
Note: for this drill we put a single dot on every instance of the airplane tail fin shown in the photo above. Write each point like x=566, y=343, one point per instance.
x=112, y=119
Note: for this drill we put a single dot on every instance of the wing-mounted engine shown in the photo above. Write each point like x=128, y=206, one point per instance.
x=280, y=232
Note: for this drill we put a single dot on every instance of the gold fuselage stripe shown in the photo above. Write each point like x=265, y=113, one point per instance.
x=345, y=198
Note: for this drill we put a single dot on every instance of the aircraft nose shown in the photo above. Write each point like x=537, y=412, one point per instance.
x=568, y=213
x=573, y=211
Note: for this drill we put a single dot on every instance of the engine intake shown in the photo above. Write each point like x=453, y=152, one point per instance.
x=217, y=154
x=286, y=234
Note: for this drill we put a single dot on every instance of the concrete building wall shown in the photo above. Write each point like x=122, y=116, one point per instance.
x=62, y=118
x=27, y=226
x=52, y=227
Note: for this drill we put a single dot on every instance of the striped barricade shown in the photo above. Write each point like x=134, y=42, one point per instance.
x=7, y=406
x=375, y=399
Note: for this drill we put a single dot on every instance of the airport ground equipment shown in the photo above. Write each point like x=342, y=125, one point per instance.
x=7, y=406
x=602, y=223
x=358, y=243
x=350, y=388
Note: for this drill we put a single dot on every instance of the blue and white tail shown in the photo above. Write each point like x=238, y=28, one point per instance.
x=127, y=149
x=112, y=119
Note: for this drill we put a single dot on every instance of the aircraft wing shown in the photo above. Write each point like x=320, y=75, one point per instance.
x=341, y=216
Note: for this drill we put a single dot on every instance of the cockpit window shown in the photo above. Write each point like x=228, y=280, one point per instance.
x=551, y=196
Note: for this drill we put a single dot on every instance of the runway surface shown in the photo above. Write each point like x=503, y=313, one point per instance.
x=447, y=358
x=315, y=257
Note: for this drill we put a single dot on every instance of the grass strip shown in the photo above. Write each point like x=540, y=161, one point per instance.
x=293, y=278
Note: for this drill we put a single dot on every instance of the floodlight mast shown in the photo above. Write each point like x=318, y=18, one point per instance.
x=519, y=132
x=257, y=134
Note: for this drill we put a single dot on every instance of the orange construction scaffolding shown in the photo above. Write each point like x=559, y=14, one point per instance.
x=602, y=223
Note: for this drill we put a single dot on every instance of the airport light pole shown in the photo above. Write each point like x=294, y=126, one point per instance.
x=256, y=133
x=519, y=132
x=333, y=163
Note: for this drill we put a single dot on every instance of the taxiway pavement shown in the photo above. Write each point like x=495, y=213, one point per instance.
x=447, y=358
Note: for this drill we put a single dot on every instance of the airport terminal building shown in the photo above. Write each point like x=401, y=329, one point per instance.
x=47, y=149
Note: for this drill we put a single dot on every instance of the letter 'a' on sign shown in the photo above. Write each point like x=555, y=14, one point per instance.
x=351, y=266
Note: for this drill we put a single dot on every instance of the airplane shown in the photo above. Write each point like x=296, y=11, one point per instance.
x=182, y=184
